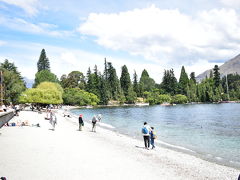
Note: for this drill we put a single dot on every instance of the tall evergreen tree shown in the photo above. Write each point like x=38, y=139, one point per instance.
x=113, y=81
x=169, y=83
x=125, y=80
x=135, y=83
x=146, y=83
x=183, y=81
x=90, y=81
x=216, y=76
x=104, y=96
x=43, y=62
x=192, y=77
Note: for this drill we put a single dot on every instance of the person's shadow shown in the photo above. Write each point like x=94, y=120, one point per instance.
x=140, y=147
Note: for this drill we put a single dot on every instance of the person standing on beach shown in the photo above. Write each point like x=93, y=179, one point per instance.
x=81, y=123
x=53, y=120
x=146, y=134
x=152, y=137
x=94, y=122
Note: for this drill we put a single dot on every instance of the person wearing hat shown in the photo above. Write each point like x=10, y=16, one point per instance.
x=81, y=123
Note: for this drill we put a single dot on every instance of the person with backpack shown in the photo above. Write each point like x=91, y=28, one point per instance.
x=152, y=137
x=146, y=134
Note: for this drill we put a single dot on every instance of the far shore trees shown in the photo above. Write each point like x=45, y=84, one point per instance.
x=106, y=88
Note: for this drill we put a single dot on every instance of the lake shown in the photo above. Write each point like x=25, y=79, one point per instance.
x=209, y=131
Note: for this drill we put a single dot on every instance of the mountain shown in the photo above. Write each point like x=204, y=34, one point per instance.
x=231, y=66
x=29, y=82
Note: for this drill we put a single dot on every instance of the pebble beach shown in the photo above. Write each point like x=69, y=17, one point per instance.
x=30, y=152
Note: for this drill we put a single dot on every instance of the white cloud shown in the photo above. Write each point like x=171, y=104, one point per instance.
x=2, y=43
x=231, y=3
x=168, y=36
x=29, y=6
x=65, y=60
x=35, y=28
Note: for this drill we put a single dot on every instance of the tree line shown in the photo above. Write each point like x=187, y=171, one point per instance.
x=106, y=87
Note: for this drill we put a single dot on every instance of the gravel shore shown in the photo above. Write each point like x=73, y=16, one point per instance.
x=32, y=153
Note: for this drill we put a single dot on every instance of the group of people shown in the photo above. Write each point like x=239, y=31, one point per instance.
x=149, y=135
x=95, y=119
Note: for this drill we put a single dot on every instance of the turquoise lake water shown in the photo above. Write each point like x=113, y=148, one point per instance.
x=209, y=131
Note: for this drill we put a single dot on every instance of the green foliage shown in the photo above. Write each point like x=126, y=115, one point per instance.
x=45, y=93
x=216, y=76
x=125, y=80
x=192, y=77
x=169, y=83
x=75, y=79
x=44, y=75
x=104, y=93
x=43, y=62
x=146, y=83
x=131, y=95
x=164, y=98
x=76, y=96
x=183, y=82
x=179, y=99
x=12, y=82
x=135, y=84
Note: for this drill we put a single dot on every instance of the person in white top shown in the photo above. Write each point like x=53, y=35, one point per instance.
x=146, y=134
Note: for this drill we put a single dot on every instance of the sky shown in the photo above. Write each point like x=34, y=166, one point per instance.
x=143, y=34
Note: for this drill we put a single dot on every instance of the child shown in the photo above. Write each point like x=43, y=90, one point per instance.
x=152, y=137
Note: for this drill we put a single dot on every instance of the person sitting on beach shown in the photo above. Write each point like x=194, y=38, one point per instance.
x=152, y=137
x=146, y=134
x=81, y=123
x=94, y=122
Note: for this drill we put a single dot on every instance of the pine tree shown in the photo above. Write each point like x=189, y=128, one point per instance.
x=104, y=96
x=113, y=81
x=169, y=83
x=216, y=76
x=183, y=81
x=90, y=81
x=135, y=83
x=43, y=62
x=192, y=77
x=146, y=83
x=125, y=80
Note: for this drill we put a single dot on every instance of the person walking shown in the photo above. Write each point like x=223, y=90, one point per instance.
x=81, y=123
x=94, y=122
x=146, y=134
x=53, y=120
x=152, y=137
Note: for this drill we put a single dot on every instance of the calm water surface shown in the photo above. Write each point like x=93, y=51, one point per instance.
x=211, y=131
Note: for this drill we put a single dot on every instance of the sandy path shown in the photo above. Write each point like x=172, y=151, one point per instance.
x=32, y=153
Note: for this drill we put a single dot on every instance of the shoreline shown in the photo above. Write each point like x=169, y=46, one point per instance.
x=72, y=154
x=178, y=148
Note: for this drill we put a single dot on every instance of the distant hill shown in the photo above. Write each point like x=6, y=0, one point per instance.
x=29, y=82
x=231, y=66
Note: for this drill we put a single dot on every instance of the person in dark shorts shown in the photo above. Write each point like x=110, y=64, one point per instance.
x=146, y=135
x=94, y=122
x=80, y=120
